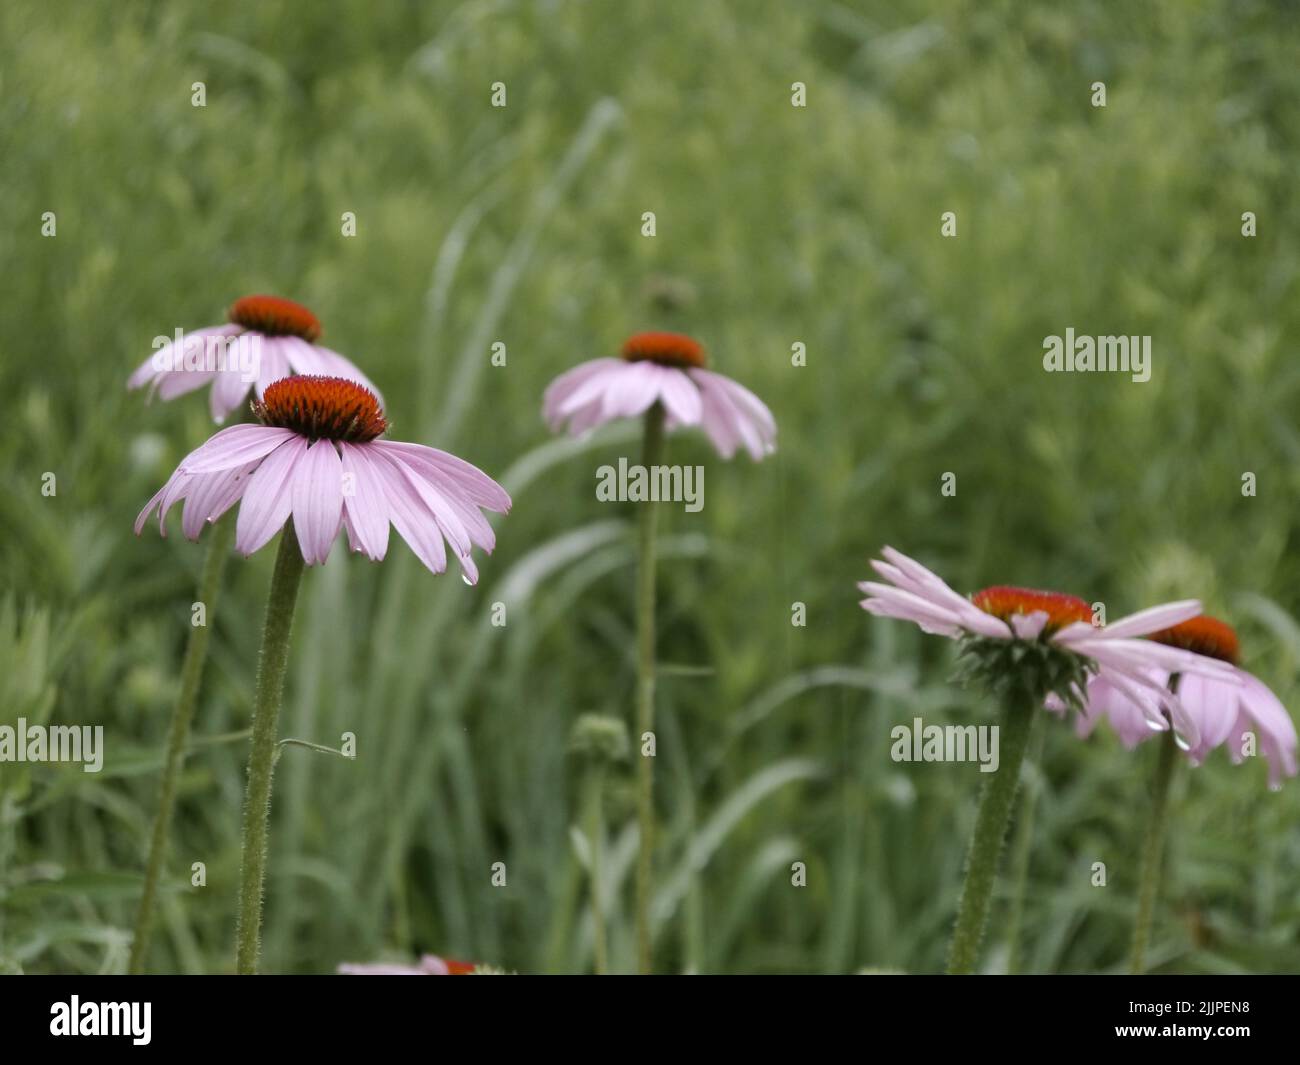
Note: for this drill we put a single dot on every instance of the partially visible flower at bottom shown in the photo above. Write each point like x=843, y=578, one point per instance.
x=1222, y=712
x=428, y=965
x=317, y=457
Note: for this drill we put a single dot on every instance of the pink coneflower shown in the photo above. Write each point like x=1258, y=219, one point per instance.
x=428, y=965
x=1051, y=619
x=668, y=368
x=1028, y=647
x=316, y=455
x=1221, y=711
x=661, y=377
x=267, y=338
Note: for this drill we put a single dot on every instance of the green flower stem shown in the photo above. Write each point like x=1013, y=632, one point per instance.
x=991, y=821
x=596, y=833
x=220, y=542
x=1153, y=850
x=261, y=759
x=1022, y=846
x=645, y=689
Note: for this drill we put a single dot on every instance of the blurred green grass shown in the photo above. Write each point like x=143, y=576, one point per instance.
x=521, y=225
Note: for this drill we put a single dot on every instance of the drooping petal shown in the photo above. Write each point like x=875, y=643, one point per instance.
x=594, y=388
x=680, y=396
x=178, y=383
x=476, y=485
x=316, y=484
x=365, y=506
x=268, y=499
x=1277, y=732
x=409, y=514
x=559, y=391
x=631, y=391
x=236, y=445
x=436, y=506
x=229, y=389
x=731, y=412
x=164, y=497
x=211, y=495
x=171, y=360
x=457, y=487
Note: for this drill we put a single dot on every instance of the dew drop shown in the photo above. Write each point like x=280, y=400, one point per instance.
x=466, y=579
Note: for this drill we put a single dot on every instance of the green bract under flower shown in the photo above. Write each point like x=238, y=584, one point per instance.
x=1032, y=669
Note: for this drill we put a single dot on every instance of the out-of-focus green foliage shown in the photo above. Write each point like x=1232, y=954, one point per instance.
x=776, y=225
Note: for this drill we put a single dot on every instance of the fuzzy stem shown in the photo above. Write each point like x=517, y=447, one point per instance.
x=596, y=832
x=178, y=735
x=994, y=812
x=645, y=688
x=1021, y=847
x=261, y=759
x=1152, y=851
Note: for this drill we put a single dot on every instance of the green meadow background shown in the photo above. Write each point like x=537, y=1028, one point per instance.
x=775, y=225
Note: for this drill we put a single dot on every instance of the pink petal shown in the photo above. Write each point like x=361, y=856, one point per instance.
x=316, y=485
x=268, y=499
x=235, y=446
x=409, y=515
x=366, y=509
x=1155, y=618
x=211, y=495
x=476, y=485
x=680, y=396
x=229, y=390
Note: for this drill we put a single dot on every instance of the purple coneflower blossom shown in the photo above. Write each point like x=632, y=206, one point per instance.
x=668, y=368
x=1029, y=648
x=428, y=965
x=1222, y=712
x=315, y=455
x=1120, y=660
x=267, y=338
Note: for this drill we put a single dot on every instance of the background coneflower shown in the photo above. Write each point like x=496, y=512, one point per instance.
x=1026, y=647
x=1233, y=710
x=662, y=378
x=283, y=335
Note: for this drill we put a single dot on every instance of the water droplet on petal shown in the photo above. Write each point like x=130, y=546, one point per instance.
x=1181, y=741
x=1275, y=786
x=465, y=577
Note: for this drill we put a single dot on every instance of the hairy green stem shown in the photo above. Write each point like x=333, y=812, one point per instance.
x=991, y=820
x=261, y=759
x=645, y=690
x=1021, y=848
x=596, y=833
x=1153, y=850
x=220, y=542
